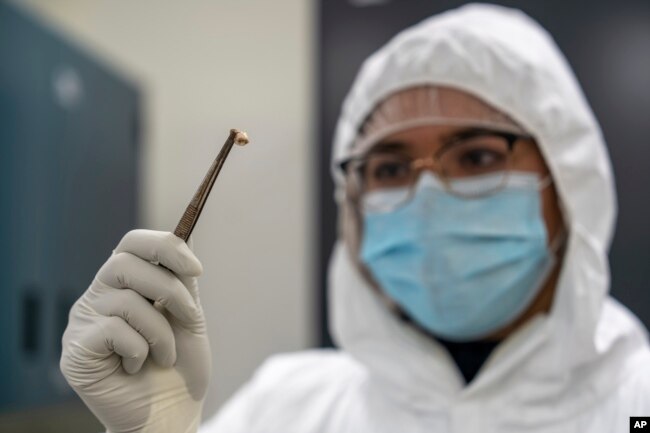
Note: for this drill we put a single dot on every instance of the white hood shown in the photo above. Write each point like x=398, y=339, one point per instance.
x=508, y=60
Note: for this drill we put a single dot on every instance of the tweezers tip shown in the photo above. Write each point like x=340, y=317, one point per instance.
x=241, y=138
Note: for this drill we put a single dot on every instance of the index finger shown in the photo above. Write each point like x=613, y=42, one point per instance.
x=162, y=247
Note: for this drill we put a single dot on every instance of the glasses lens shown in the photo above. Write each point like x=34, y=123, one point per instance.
x=387, y=171
x=476, y=166
x=385, y=181
x=472, y=167
x=385, y=200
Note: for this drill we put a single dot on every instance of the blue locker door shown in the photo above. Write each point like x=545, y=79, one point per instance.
x=68, y=167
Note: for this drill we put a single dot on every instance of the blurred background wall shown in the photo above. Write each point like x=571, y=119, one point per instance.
x=201, y=68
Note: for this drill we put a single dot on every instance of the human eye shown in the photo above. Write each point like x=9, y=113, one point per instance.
x=387, y=171
x=479, y=155
x=481, y=158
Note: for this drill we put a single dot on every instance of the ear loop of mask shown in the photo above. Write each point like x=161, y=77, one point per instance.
x=558, y=243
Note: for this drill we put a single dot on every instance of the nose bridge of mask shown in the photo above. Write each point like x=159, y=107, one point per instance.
x=429, y=179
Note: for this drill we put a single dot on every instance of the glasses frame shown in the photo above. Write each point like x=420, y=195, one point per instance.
x=350, y=165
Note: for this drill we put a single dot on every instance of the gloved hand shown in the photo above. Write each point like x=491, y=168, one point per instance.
x=141, y=366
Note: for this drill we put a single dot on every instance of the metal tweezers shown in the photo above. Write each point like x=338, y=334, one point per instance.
x=193, y=210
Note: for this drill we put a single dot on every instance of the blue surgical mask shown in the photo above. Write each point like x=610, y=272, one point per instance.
x=460, y=268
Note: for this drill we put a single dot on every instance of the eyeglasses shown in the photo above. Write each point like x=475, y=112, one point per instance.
x=474, y=164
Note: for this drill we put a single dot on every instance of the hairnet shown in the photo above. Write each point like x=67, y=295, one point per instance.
x=429, y=105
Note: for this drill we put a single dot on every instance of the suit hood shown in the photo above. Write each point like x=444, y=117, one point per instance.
x=505, y=58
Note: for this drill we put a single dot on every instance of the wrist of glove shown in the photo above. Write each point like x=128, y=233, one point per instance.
x=135, y=348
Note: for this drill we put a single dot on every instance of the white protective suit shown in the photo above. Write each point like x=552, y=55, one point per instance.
x=584, y=367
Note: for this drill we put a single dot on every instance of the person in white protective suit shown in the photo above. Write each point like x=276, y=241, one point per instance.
x=468, y=287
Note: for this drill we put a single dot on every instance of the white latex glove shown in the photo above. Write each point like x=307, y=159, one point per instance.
x=140, y=366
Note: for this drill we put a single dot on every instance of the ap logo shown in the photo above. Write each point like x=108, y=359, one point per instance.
x=640, y=423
